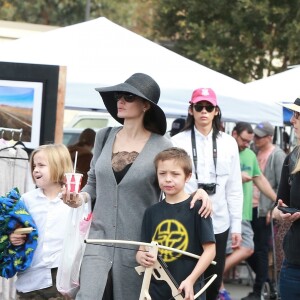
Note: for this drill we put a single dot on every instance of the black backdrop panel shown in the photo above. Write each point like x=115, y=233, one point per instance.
x=46, y=74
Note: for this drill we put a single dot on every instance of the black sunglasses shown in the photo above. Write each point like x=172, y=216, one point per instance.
x=126, y=96
x=199, y=107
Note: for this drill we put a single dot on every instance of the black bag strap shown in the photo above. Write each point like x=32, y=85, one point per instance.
x=103, y=143
x=194, y=150
x=106, y=136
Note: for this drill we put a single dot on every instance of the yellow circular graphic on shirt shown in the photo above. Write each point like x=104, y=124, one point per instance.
x=171, y=233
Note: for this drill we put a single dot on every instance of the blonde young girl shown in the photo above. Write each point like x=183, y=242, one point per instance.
x=48, y=165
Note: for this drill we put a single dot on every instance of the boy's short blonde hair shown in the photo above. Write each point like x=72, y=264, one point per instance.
x=179, y=155
x=59, y=160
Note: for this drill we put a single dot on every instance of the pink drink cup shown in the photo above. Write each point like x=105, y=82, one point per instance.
x=73, y=182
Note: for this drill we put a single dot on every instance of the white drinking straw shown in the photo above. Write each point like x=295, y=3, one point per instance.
x=75, y=162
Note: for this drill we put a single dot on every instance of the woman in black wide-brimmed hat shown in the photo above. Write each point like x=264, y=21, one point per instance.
x=122, y=184
x=289, y=195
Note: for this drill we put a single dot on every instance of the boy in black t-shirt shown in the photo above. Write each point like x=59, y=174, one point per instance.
x=172, y=223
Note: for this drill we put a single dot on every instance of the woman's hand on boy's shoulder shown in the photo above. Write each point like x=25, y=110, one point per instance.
x=206, y=207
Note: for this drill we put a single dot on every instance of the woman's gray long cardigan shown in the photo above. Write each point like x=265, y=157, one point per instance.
x=118, y=214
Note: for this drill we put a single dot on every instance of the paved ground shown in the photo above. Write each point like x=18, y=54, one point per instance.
x=238, y=290
x=239, y=282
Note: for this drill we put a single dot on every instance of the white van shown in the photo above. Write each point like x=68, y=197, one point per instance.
x=94, y=120
x=83, y=120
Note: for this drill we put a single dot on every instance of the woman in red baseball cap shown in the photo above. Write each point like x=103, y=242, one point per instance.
x=216, y=169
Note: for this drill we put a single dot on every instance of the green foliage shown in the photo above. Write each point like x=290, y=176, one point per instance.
x=244, y=39
x=131, y=14
x=46, y=12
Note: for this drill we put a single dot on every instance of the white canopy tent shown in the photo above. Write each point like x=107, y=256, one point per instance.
x=100, y=53
x=279, y=88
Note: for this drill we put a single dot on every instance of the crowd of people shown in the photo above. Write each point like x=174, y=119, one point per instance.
x=196, y=189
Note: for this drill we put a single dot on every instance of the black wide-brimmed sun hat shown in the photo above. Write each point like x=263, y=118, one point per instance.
x=141, y=85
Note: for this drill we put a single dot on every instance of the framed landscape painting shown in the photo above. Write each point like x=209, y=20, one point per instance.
x=20, y=111
x=29, y=96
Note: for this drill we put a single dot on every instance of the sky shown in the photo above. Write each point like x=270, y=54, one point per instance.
x=16, y=96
